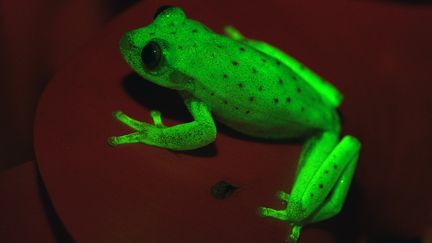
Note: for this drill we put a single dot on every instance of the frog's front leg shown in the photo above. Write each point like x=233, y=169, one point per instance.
x=324, y=174
x=187, y=136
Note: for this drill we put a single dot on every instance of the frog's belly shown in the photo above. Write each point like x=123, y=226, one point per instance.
x=268, y=129
x=280, y=126
x=271, y=132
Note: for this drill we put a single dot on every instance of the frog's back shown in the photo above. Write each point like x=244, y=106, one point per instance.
x=255, y=93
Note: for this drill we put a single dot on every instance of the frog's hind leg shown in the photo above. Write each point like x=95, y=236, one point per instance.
x=335, y=201
x=327, y=90
x=326, y=167
x=333, y=176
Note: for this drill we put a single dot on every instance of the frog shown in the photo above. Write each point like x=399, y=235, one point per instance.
x=253, y=88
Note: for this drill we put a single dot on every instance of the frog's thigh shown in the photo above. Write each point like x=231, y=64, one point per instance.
x=324, y=88
x=336, y=200
x=340, y=161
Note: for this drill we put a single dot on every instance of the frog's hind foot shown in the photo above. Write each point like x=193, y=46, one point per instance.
x=273, y=213
x=295, y=233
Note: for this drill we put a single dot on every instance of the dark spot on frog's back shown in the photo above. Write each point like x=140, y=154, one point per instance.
x=222, y=190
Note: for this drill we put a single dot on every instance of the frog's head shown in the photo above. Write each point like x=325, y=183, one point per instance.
x=152, y=51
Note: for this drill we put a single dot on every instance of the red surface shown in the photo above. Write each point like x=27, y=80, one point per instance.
x=37, y=37
x=23, y=209
x=378, y=55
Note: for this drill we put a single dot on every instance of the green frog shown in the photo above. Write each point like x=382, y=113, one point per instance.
x=253, y=88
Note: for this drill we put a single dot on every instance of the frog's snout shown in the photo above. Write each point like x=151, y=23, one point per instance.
x=126, y=43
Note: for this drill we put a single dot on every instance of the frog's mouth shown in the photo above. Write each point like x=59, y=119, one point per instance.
x=181, y=81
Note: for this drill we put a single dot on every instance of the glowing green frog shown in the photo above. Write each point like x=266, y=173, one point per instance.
x=253, y=88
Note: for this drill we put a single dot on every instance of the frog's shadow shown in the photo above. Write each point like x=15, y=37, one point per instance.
x=171, y=105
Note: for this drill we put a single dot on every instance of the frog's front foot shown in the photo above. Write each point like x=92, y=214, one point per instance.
x=142, y=128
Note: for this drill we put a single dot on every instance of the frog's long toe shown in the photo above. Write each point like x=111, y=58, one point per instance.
x=273, y=213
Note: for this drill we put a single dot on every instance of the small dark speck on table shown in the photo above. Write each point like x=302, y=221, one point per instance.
x=222, y=190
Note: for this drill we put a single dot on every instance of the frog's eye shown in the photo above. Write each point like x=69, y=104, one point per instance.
x=151, y=55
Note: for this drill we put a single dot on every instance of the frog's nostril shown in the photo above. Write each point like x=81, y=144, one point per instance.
x=126, y=43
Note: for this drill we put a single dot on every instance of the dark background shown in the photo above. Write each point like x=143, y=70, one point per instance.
x=39, y=36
